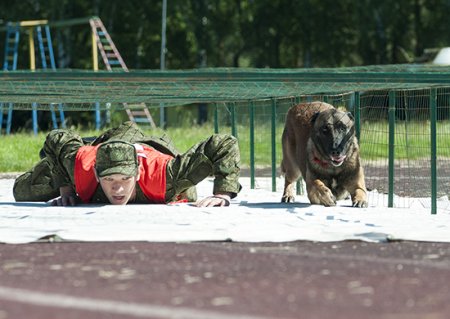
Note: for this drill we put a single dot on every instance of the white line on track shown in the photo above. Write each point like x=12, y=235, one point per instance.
x=111, y=306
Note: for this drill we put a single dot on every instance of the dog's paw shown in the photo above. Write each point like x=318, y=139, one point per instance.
x=288, y=199
x=360, y=203
x=359, y=199
x=322, y=196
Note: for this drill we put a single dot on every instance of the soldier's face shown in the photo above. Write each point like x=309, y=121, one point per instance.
x=118, y=188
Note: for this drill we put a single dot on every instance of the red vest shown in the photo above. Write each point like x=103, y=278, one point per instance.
x=152, y=173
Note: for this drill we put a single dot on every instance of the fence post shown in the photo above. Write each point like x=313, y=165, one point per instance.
x=233, y=119
x=433, y=119
x=98, y=120
x=35, y=117
x=251, y=110
x=216, y=118
x=391, y=147
x=299, y=184
x=274, y=144
x=357, y=110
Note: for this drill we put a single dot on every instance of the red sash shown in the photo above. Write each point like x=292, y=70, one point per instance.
x=152, y=173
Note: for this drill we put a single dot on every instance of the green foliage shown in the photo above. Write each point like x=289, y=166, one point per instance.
x=263, y=33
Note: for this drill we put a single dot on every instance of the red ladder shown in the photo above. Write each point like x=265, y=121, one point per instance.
x=137, y=113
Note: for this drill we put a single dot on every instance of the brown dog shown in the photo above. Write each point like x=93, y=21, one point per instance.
x=319, y=142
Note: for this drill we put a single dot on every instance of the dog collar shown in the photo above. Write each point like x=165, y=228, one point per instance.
x=317, y=160
x=321, y=163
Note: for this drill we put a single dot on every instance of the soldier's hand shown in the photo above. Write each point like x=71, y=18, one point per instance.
x=217, y=200
x=67, y=198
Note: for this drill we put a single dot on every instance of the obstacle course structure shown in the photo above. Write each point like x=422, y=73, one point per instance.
x=40, y=46
x=137, y=112
x=38, y=32
x=402, y=114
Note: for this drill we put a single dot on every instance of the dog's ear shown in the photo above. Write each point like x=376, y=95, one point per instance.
x=314, y=117
x=350, y=115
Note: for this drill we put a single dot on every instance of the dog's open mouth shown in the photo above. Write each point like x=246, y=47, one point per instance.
x=337, y=160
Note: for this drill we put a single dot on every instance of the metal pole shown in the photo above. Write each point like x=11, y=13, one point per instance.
x=216, y=118
x=299, y=183
x=233, y=119
x=274, y=144
x=98, y=120
x=31, y=46
x=433, y=120
x=252, y=144
x=35, y=119
x=163, y=35
x=94, y=51
x=162, y=115
x=391, y=148
x=357, y=112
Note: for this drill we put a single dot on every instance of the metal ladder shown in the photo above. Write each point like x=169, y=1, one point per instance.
x=48, y=61
x=45, y=47
x=10, y=64
x=137, y=113
x=11, y=47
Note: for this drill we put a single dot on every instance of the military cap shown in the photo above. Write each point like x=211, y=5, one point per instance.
x=116, y=157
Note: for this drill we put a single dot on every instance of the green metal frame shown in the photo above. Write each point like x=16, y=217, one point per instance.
x=274, y=144
x=433, y=150
x=391, y=152
x=251, y=112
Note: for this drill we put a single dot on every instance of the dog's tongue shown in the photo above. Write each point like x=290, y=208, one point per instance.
x=338, y=159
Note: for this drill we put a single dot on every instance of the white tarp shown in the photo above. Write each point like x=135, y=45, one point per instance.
x=254, y=216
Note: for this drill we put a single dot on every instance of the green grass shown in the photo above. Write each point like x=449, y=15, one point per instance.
x=20, y=151
x=412, y=141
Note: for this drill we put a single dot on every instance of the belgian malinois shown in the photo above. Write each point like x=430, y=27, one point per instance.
x=319, y=143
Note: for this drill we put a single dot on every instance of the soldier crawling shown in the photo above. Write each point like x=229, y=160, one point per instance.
x=129, y=168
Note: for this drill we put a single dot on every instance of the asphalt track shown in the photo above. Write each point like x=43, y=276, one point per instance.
x=225, y=280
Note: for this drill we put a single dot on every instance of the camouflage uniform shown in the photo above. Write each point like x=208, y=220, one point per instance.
x=218, y=155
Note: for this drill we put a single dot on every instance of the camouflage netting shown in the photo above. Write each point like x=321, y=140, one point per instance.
x=79, y=89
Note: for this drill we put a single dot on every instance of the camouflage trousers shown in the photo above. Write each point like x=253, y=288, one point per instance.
x=218, y=156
